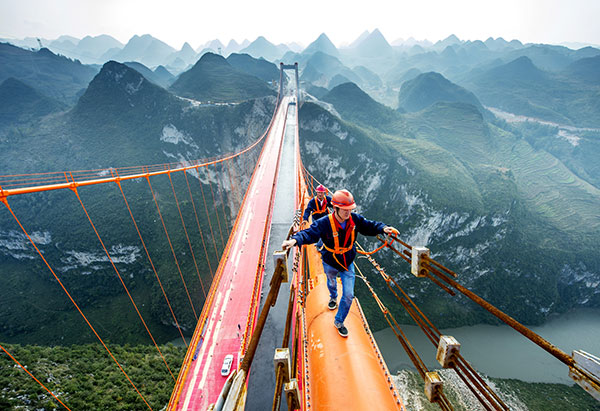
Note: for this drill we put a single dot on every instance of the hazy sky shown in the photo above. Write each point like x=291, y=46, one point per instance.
x=177, y=21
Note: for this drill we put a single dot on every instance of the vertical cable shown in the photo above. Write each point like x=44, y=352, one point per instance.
x=75, y=304
x=123, y=282
x=212, y=275
x=215, y=206
x=152, y=264
x=172, y=250
x=222, y=197
x=187, y=236
x=212, y=234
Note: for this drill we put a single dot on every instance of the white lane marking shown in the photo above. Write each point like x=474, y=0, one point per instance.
x=198, y=359
x=215, y=338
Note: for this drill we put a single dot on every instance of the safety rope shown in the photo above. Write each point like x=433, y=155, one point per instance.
x=172, y=250
x=187, y=236
x=410, y=351
x=32, y=376
x=152, y=265
x=73, y=301
x=123, y=282
x=212, y=274
x=463, y=369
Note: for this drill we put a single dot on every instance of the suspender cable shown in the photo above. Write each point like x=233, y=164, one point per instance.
x=152, y=265
x=212, y=194
x=222, y=197
x=232, y=181
x=187, y=236
x=212, y=234
x=74, y=303
x=32, y=376
x=172, y=250
x=212, y=274
x=123, y=283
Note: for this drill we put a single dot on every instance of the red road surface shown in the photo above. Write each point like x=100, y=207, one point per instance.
x=235, y=301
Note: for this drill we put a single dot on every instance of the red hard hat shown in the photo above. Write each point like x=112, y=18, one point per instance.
x=343, y=199
x=321, y=189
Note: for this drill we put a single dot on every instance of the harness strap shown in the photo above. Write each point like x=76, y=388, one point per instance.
x=336, y=242
x=317, y=209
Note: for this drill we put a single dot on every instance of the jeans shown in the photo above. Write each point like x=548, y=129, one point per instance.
x=347, y=278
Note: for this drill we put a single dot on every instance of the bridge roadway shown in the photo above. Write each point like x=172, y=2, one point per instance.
x=261, y=383
x=235, y=302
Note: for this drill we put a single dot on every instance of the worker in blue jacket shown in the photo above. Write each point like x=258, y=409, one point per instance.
x=338, y=232
x=318, y=205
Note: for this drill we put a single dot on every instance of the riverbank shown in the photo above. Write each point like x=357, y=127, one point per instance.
x=500, y=351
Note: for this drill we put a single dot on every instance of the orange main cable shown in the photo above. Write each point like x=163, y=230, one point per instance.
x=144, y=171
x=152, y=264
x=198, y=223
x=187, y=236
x=73, y=301
x=123, y=284
x=172, y=250
x=32, y=376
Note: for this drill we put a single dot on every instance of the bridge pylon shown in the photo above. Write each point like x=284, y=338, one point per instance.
x=294, y=67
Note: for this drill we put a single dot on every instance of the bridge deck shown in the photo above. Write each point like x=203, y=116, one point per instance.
x=222, y=327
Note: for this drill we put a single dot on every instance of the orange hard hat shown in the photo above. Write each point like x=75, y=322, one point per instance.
x=343, y=199
x=321, y=189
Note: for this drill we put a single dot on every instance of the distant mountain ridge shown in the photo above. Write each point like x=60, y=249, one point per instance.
x=260, y=68
x=146, y=50
x=20, y=102
x=213, y=78
x=322, y=44
x=54, y=76
x=429, y=88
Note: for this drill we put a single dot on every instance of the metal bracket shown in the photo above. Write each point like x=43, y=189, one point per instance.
x=448, y=347
x=417, y=261
x=591, y=365
x=292, y=394
x=433, y=386
x=281, y=255
x=282, y=356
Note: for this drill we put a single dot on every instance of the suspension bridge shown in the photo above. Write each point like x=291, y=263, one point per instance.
x=247, y=351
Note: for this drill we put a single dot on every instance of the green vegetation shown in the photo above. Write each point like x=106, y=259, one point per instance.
x=520, y=87
x=54, y=76
x=213, y=79
x=518, y=395
x=260, y=68
x=84, y=377
x=429, y=88
x=20, y=103
x=121, y=120
x=480, y=197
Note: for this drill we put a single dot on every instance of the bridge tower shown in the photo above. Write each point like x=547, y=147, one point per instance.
x=289, y=67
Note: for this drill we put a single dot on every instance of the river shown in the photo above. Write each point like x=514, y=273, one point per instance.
x=500, y=351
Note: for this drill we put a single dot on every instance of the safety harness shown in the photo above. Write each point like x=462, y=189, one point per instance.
x=350, y=234
x=317, y=209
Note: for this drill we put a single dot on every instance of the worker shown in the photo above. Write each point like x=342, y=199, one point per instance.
x=318, y=205
x=338, y=232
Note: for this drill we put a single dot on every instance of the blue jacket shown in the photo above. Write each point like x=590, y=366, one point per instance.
x=312, y=206
x=321, y=229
